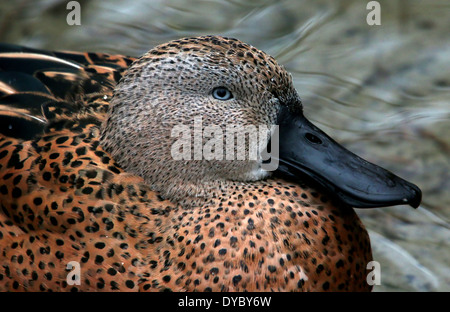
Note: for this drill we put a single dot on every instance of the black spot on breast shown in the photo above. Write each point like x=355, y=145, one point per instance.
x=61, y=140
x=16, y=192
x=3, y=154
x=53, y=155
x=47, y=176
x=81, y=151
x=99, y=245
x=76, y=164
x=87, y=190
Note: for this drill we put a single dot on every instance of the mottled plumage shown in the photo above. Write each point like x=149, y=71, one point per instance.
x=86, y=176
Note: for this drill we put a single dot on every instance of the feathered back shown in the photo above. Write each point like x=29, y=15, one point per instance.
x=38, y=87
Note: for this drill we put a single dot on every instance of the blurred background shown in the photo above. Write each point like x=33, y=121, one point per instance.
x=383, y=91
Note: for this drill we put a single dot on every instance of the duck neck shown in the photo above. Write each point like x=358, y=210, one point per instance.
x=189, y=193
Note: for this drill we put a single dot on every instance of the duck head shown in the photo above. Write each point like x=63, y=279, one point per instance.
x=178, y=106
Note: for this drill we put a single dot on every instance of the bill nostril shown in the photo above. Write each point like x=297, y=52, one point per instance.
x=312, y=138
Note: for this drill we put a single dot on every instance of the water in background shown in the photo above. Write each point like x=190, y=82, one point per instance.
x=382, y=91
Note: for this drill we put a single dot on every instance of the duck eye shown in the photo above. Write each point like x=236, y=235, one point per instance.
x=222, y=93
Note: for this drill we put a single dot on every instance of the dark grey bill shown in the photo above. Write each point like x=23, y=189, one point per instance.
x=305, y=151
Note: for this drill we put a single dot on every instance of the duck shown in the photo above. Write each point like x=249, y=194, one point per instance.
x=104, y=185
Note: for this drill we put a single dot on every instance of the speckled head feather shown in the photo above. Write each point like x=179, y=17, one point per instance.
x=171, y=85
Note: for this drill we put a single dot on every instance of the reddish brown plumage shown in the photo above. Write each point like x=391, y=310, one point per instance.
x=63, y=199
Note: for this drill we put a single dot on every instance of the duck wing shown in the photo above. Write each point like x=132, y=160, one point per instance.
x=62, y=198
x=37, y=86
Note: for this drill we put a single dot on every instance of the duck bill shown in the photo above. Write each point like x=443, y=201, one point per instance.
x=306, y=152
